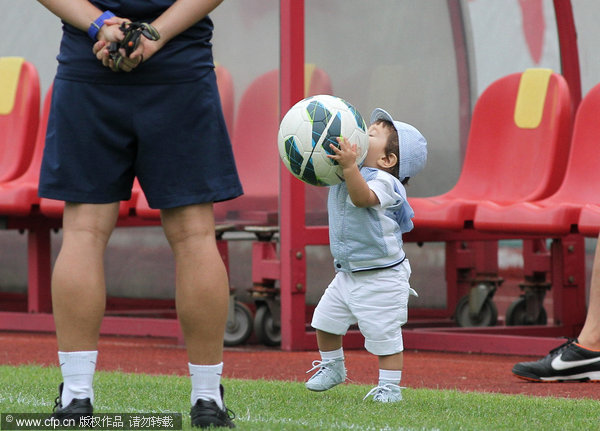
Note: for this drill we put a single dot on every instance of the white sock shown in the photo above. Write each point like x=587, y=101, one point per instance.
x=206, y=380
x=389, y=376
x=332, y=354
x=77, y=369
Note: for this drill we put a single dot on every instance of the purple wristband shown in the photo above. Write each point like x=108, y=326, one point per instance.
x=95, y=26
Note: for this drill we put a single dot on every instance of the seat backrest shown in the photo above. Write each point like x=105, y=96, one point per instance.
x=256, y=126
x=33, y=171
x=19, y=115
x=518, y=140
x=582, y=175
x=226, y=93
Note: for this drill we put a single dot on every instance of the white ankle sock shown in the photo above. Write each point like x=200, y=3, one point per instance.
x=77, y=369
x=332, y=354
x=389, y=376
x=206, y=380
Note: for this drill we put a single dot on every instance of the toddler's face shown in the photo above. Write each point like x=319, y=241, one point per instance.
x=378, y=136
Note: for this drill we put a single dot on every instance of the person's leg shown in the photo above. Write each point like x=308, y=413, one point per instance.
x=78, y=294
x=390, y=369
x=590, y=333
x=382, y=312
x=331, y=319
x=391, y=362
x=576, y=360
x=202, y=299
x=328, y=342
x=202, y=289
x=388, y=389
x=331, y=370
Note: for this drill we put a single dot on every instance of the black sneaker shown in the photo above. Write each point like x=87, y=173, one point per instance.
x=567, y=363
x=76, y=409
x=206, y=414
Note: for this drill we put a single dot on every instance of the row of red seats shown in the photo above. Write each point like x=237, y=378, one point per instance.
x=575, y=206
x=529, y=178
x=527, y=170
x=525, y=175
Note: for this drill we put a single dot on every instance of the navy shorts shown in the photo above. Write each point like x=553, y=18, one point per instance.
x=171, y=136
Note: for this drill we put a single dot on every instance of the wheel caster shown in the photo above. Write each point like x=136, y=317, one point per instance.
x=487, y=315
x=239, y=325
x=516, y=314
x=265, y=328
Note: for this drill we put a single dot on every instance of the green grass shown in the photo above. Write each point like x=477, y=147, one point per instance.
x=274, y=405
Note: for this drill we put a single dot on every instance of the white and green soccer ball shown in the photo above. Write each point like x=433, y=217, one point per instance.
x=306, y=132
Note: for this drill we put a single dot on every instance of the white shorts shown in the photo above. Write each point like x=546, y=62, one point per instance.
x=377, y=300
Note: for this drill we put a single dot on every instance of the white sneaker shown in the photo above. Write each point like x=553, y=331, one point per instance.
x=387, y=393
x=331, y=373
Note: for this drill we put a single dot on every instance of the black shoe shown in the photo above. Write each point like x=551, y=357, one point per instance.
x=567, y=363
x=206, y=414
x=76, y=409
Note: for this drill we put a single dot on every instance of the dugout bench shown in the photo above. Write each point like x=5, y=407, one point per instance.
x=471, y=244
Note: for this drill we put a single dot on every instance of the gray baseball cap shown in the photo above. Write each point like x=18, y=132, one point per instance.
x=413, y=146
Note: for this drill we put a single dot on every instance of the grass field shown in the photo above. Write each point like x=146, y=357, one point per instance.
x=275, y=405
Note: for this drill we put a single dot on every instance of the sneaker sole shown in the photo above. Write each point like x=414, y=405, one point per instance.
x=581, y=378
x=387, y=402
x=320, y=389
x=212, y=424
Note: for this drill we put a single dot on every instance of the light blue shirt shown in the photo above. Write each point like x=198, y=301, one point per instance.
x=369, y=238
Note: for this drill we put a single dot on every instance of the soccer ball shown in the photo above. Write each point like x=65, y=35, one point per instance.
x=307, y=130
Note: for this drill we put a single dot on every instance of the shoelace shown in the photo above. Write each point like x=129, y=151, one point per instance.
x=58, y=399
x=563, y=346
x=388, y=387
x=229, y=413
x=320, y=364
x=57, y=403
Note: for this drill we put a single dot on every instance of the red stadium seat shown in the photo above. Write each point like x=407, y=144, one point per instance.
x=517, y=149
x=256, y=128
x=589, y=220
x=19, y=115
x=559, y=214
x=255, y=148
x=19, y=196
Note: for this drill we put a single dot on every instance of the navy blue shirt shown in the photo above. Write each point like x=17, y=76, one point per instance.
x=186, y=57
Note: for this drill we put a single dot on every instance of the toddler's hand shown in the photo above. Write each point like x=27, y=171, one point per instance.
x=346, y=154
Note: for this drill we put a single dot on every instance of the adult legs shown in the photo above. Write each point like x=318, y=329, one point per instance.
x=78, y=300
x=78, y=283
x=202, y=289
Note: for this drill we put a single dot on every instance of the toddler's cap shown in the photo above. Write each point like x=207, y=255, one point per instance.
x=413, y=146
